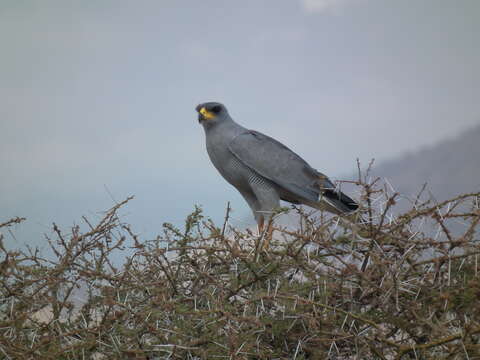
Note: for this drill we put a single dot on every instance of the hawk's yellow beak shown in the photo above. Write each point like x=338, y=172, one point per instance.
x=206, y=114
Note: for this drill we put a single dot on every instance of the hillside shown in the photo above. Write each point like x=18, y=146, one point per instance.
x=449, y=168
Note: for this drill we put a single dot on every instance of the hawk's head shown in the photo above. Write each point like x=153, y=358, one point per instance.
x=210, y=111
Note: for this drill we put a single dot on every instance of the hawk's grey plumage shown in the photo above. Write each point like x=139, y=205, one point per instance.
x=263, y=170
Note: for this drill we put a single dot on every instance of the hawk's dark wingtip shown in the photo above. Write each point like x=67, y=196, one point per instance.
x=347, y=204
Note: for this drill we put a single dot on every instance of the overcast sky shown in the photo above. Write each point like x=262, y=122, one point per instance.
x=97, y=97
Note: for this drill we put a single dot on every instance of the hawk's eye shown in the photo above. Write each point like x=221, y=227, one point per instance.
x=216, y=109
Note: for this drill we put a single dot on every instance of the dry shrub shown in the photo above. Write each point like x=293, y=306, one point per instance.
x=386, y=287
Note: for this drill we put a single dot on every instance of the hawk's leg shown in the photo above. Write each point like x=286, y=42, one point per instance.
x=263, y=199
x=268, y=234
x=267, y=202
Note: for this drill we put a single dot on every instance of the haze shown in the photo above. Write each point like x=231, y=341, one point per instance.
x=97, y=98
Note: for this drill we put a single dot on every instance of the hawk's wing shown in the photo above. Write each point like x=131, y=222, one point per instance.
x=274, y=161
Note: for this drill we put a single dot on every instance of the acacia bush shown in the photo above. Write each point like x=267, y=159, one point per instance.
x=376, y=287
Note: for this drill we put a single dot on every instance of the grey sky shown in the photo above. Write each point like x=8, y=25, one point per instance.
x=102, y=94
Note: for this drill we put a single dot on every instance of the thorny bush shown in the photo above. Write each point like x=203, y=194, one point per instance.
x=376, y=287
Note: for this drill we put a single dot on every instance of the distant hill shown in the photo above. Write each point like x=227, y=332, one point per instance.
x=449, y=168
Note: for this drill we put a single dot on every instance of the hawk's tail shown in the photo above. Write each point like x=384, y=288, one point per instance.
x=340, y=200
x=335, y=202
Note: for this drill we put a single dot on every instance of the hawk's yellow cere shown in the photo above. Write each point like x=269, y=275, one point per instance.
x=207, y=114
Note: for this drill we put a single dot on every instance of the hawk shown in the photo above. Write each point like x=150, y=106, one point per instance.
x=264, y=170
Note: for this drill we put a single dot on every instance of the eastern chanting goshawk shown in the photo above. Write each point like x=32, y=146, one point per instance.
x=263, y=170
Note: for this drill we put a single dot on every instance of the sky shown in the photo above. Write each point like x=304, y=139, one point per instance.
x=97, y=98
